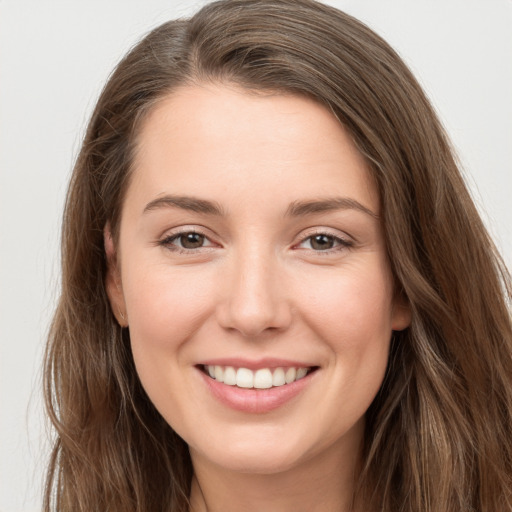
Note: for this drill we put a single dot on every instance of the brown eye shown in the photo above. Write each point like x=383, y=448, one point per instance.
x=322, y=242
x=187, y=242
x=190, y=240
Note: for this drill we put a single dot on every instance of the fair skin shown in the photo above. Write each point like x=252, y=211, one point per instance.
x=250, y=238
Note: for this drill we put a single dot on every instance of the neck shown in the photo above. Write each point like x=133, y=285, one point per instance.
x=324, y=483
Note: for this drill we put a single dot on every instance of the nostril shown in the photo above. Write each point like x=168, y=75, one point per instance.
x=254, y=318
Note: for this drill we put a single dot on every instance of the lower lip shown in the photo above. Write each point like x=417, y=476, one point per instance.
x=256, y=401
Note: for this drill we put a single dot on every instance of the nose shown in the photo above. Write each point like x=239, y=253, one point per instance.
x=254, y=298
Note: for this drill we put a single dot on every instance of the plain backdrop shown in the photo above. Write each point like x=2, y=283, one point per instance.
x=55, y=57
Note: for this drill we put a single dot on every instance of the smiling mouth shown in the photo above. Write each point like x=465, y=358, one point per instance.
x=263, y=378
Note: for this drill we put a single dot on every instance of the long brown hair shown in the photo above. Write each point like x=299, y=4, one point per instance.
x=439, y=433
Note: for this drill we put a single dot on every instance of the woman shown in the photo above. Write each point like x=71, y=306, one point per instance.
x=277, y=292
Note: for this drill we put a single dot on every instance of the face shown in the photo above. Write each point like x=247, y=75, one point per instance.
x=251, y=272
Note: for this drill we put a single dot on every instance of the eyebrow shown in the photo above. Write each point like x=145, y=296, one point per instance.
x=185, y=203
x=301, y=208
x=295, y=209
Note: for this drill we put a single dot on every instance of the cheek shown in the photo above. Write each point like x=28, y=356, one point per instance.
x=165, y=308
x=352, y=315
x=353, y=309
x=356, y=324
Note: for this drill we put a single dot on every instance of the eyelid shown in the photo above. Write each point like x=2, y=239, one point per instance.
x=171, y=234
x=345, y=241
x=187, y=228
x=324, y=230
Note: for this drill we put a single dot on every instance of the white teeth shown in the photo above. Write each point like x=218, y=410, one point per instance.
x=264, y=378
x=219, y=373
x=244, y=378
x=278, y=377
x=301, y=372
x=230, y=376
x=290, y=375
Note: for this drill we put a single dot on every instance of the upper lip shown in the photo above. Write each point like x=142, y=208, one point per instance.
x=255, y=364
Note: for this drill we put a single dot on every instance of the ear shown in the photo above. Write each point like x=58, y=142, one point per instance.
x=113, y=279
x=401, y=314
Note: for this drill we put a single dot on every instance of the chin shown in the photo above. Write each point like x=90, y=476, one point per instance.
x=255, y=456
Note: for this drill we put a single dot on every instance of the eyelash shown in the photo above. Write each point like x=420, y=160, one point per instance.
x=340, y=243
x=168, y=242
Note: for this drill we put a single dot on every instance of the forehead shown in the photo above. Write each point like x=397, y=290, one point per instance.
x=223, y=141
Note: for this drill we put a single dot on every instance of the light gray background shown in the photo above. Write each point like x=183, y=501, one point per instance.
x=55, y=56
